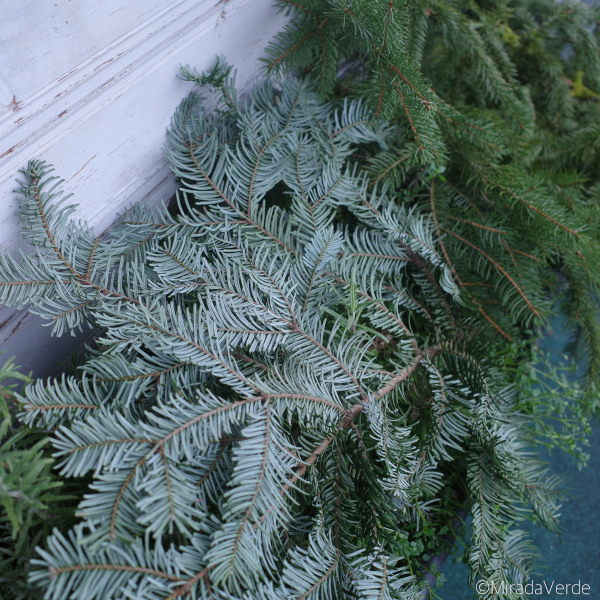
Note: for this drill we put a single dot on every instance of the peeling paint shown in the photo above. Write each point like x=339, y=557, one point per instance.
x=66, y=75
x=5, y=322
x=85, y=164
x=101, y=65
x=14, y=104
x=11, y=149
x=19, y=324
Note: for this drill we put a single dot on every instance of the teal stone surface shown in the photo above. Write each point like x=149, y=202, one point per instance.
x=575, y=555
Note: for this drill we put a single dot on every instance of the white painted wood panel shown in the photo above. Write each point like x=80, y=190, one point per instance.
x=99, y=109
x=42, y=41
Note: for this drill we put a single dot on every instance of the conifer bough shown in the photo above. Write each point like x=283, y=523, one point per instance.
x=502, y=98
x=290, y=398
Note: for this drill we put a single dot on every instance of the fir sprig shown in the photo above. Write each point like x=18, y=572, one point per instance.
x=276, y=395
x=512, y=124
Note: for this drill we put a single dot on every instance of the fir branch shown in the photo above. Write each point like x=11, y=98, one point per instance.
x=498, y=266
x=298, y=341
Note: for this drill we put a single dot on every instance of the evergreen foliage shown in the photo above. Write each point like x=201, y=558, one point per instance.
x=31, y=498
x=292, y=394
x=502, y=98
